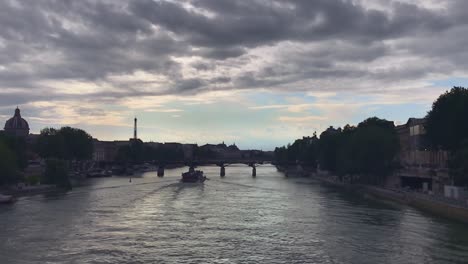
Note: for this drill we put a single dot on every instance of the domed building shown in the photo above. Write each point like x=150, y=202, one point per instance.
x=17, y=126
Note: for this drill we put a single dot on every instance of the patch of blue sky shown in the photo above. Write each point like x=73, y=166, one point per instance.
x=264, y=98
x=211, y=116
x=450, y=82
x=398, y=113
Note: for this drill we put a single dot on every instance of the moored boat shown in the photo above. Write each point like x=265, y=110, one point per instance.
x=6, y=199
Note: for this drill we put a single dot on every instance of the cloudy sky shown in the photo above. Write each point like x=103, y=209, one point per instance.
x=259, y=73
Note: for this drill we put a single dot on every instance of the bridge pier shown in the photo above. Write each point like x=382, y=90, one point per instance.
x=161, y=171
x=254, y=169
x=222, y=171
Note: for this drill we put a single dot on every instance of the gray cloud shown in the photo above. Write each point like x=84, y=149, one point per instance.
x=343, y=40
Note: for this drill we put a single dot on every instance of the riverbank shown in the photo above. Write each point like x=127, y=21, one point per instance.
x=428, y=203
x=295, y=171
x=440, y=206
x=30, y=190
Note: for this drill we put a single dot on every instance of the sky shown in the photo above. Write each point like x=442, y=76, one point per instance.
x=256, y=73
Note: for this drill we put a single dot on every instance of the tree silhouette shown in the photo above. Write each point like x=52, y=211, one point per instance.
x=447, y=121
x=67, y=143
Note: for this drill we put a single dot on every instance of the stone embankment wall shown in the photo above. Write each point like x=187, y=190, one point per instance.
x=424, y=202
x=456, y=210
x=30, y=190
x=296, y=170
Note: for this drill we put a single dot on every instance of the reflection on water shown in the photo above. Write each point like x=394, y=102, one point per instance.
x=236, y=219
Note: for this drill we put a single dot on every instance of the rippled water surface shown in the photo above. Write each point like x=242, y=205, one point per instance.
x=237, y=219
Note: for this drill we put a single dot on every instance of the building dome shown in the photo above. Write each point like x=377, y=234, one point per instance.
x=16, y=125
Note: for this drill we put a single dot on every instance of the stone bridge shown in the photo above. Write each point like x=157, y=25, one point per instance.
x=222, y=163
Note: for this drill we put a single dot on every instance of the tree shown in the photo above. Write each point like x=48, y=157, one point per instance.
x=78, y=143
x=368, y=150
x=303, y=150
x=168, y=153
x=345, y=158
x=8, y=167
x=49, y=144
x=18, y=147
x=373, y=150
x=377, y=122
x=134, y=152
x=447, y=121
x=281, y=155
x=66, y=143
x=447, y=128
x=329, y=144
x=57, y=173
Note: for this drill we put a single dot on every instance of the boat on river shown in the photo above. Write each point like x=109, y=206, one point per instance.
x=193, y=176
x=6, y=199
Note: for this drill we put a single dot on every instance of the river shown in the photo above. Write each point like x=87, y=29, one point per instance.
x=236, y=219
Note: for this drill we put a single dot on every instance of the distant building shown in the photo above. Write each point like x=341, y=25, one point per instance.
x=154, y=144
x=106, y=151
x=233, y=147
x=173, y=146
x=17, y=126
x=420, y=166
x=189, y=151
x=221, y=151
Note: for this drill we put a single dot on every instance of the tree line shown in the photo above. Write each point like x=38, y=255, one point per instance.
x=137, y=152
x=58, y=147
x=369, y=150
x=447, y=128
x=13, y=156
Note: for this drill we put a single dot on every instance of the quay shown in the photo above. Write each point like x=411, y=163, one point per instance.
x=434, y=204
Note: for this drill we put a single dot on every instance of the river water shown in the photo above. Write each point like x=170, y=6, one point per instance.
x=236, y=219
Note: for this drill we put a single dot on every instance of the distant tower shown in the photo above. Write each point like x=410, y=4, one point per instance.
x=135, y=129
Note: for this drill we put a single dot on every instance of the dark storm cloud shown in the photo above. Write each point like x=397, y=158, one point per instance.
x=94, y=41
x=222, y=53
x=257, y=22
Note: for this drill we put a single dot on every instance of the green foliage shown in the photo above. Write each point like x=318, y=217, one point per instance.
x=135, y=152
x=78, y=143
x=447, y=121
x=66, y=143
x=377, y=122
x=329, y=147
x=167, y=153
x=303, y=150
x=57, y=173
x=49, y=144
x=8, y=167
x=368, y=150
x=447, y=128
x=18, y=146
x=138, y=152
